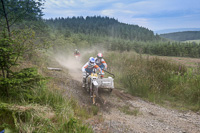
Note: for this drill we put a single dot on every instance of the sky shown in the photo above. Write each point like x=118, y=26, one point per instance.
x=151, y=14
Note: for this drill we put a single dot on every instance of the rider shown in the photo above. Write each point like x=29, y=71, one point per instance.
x=76, y=52
x=88, y=68
x=101, y=62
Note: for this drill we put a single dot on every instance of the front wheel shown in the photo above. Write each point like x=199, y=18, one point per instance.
x=94, y=93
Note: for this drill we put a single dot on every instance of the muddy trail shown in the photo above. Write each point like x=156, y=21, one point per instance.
x=120, y=112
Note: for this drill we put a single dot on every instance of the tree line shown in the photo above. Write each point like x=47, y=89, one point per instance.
x=114, y=35
x=182, y=36
x=162, y=48
x=101, y=26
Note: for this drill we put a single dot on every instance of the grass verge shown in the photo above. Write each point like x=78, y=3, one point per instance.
x=41, y=109
x=156, y=79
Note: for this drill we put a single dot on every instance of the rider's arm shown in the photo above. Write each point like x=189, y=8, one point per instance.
x=84, y=67
x=104, y=63
x=97, y=67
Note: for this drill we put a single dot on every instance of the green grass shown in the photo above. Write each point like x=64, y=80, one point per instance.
x=42, y=109
x=155, y=79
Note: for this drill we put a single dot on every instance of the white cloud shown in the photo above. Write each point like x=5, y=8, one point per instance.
x=119, y=5
x=108, y=12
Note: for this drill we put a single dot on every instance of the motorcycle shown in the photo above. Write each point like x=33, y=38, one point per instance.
x=94, y=81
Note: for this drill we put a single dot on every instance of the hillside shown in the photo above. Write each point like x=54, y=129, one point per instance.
x=101, y=26
x=165, y=31
x=182, y=36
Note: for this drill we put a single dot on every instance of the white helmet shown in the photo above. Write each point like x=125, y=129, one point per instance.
x=99, y=55
x=91, y=61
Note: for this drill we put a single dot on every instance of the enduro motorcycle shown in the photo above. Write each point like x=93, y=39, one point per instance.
x=94, y=81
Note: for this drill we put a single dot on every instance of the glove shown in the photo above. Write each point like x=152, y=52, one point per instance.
x=102, y=73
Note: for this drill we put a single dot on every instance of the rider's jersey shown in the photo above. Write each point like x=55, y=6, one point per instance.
x=101, y=63
x=88, y=68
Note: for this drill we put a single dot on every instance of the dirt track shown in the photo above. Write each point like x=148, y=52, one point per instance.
x=120, y=112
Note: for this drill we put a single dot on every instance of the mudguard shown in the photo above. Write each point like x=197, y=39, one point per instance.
x=95, y=83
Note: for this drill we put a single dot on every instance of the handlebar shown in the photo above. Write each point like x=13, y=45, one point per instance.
x=87, y=74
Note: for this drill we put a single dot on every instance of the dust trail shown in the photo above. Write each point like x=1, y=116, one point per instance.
x=74, y=65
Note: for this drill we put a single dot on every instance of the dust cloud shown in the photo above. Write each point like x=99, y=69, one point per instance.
x=72, y=64
x=68, y=61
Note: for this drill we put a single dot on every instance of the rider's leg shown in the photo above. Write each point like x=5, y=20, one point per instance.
x=84, y=79
x=88, y=72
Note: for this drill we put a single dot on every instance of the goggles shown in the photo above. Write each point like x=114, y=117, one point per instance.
x=91, y=62
x=99, y=57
